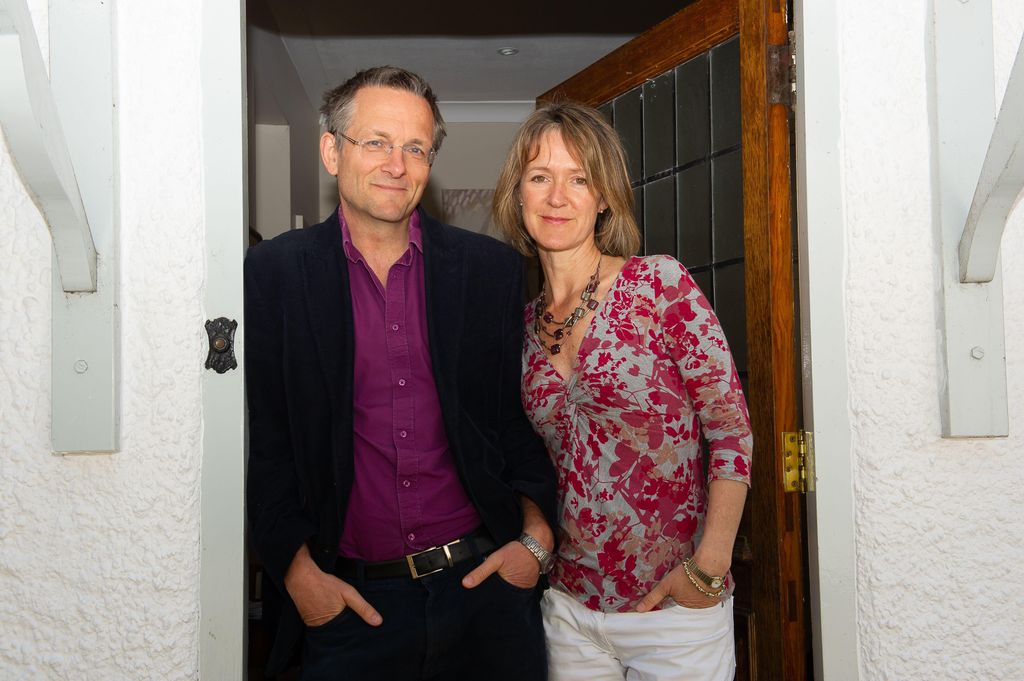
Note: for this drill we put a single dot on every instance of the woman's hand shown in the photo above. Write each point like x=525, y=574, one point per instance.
x=677, y=586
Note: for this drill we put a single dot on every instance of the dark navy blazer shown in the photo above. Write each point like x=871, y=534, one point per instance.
x=298, y=364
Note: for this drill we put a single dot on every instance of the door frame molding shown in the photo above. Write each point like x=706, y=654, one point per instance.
x=716, y=25
x=222, y=570
x=831, y=526
x=771, y=347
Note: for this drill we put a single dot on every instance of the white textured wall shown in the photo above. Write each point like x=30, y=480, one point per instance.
x=940, y=537
x=99, y=554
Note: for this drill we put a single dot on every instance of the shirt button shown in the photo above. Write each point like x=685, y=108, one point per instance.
x=411, y=536
x=394, y=327
x=401, y=381
x=402, y=433
x=406, y=483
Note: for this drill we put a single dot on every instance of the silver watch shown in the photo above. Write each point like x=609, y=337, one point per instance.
x=543, y=556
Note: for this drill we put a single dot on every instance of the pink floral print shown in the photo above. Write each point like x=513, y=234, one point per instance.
x=653, y=375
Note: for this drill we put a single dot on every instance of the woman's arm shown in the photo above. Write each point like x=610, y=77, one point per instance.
x=725, y=508
x=698, y=343
x=713, y=556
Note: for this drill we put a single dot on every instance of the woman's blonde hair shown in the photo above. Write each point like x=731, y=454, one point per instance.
x=596, y=147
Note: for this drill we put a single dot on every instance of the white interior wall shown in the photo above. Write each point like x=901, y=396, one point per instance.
x=939, y=542
x=271, y=180
x=327, y=192
x=470, y=158
x=279, y=98
x=99, y=555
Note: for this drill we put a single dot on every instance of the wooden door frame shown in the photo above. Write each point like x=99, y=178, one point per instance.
x=769, y=278
x=771, y=329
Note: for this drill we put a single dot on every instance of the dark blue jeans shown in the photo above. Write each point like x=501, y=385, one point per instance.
x=434, y=629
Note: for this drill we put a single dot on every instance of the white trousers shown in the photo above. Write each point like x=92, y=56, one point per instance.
x=673, y=644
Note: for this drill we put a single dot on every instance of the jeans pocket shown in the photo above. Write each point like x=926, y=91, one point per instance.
x=508, y=586
x=342, y=615
x=680, y=606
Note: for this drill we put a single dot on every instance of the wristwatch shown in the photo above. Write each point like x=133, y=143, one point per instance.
x=712, y=581
x=543, y=556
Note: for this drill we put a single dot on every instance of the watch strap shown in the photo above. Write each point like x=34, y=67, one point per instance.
x=712, y=581
x=543, y=556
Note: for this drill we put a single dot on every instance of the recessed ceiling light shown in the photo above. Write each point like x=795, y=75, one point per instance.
x=507, y=51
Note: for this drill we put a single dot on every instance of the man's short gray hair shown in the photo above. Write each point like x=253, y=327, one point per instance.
x=339, y=103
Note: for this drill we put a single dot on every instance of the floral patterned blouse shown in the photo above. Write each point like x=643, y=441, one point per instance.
x=653, y=372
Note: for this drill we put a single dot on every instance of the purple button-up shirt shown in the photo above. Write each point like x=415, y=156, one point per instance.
x=407, y=495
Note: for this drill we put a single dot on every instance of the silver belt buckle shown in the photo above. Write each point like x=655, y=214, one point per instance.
x=447, y=555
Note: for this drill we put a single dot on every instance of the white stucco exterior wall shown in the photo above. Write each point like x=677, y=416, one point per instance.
x=99, y=555
x=939, y=537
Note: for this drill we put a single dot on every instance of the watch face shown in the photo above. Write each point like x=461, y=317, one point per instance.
x=716, y=582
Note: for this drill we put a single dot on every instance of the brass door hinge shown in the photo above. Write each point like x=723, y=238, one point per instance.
x=782, y=73
x=798, y=461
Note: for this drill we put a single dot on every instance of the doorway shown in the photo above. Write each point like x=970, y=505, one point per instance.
x=747, y=258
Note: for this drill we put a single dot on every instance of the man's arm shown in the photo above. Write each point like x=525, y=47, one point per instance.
x=279, y=527
x=528, y=467
x=514, y=562
x=529, y=470
x=277, y=524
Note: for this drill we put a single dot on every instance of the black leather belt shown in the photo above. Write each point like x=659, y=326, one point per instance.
x=423, y=563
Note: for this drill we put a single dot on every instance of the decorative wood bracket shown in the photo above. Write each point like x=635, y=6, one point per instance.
x=60, y=130
x=34, y=134
x=1000, y=183
x=974, y=397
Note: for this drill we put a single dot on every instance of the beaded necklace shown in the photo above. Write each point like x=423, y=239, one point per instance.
x=564, y=327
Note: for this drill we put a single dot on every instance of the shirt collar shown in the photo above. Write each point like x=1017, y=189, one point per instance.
x=353, y=254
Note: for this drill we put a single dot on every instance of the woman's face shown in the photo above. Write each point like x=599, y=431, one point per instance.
x=559, y=204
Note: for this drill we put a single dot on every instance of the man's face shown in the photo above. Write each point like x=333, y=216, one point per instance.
x=380, y=188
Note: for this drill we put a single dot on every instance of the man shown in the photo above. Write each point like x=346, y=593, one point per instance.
x=396, y=492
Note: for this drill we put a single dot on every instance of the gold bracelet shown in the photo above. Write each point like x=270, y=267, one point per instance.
x=696, y=584
x=711, y=581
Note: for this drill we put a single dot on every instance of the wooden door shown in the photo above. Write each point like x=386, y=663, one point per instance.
x=709, y=161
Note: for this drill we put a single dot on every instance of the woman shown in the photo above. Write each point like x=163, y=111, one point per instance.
x=624, y=367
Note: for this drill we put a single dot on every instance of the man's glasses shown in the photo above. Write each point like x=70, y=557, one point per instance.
x=413, y=152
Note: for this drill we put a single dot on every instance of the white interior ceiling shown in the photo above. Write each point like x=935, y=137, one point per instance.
x=459, y=69
x=452, y=43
